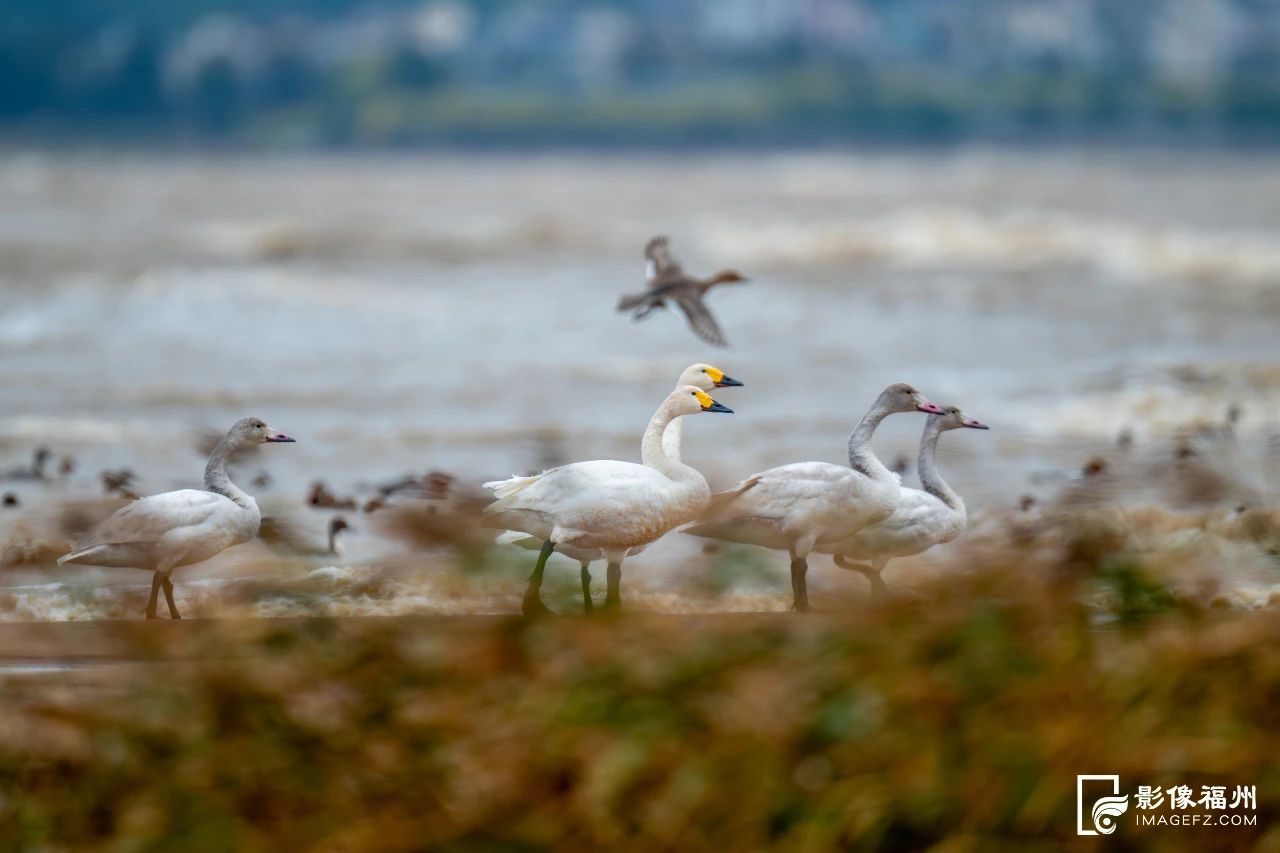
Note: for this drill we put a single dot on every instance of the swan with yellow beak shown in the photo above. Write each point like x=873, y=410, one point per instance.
x=605, y=506
x=703, y=376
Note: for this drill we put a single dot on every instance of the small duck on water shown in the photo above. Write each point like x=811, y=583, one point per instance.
x=667, y=281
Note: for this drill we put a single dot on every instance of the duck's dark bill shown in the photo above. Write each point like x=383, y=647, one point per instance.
x=280, y=437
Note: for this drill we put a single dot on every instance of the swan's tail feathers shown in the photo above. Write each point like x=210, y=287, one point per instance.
x=506, y=488
x=712, y=530
x=79, y=554
x=721, y=500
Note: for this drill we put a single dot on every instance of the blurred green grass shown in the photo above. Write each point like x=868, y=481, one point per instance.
x=957, y=718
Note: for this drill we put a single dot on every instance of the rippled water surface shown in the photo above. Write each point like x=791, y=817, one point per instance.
x=457, y=312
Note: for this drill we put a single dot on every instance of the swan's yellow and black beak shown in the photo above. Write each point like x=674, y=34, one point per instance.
x=710, y=405
x=721, y=381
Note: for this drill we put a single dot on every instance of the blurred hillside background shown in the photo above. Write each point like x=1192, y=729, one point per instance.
x=285, y=73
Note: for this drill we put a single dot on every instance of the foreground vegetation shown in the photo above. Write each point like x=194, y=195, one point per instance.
x=958, y=717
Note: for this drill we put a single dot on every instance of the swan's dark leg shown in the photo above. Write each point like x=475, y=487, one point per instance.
x=155, y=594
x=613, y=596
x=532, y=605
x=877, y=582
x=587, y=606
x=872, y=572
x=799, y=588
x=168, y=597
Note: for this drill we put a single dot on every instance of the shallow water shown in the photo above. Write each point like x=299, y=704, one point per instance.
x=457, y=312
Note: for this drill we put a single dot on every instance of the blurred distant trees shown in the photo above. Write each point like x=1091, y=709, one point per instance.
x=347, y=71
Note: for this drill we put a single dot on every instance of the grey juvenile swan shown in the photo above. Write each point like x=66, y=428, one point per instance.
x=162, y=532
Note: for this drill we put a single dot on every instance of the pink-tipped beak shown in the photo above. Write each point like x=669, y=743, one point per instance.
x=279, y=437
x=972, y=424
x=928, y=408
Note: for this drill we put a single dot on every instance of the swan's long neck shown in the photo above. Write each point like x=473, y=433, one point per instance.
x=653, y=448
x=672, y=439
x=930, y=479
x=861, y=457
x=216, y=479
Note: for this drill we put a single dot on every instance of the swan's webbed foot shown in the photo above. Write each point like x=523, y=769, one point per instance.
x=532, y=606
x=878, y=586
x=168, y=597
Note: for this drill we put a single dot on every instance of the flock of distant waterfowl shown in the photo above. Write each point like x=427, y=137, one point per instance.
x=601, y=509
x=608, y=510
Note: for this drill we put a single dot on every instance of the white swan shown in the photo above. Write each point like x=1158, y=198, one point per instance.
x=607, y=506
x=922, y=518
x=162, y=532
x=795, y=507
x=702, y=376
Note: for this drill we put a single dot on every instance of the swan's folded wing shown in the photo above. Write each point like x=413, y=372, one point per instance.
x=149, y=519
x=914, y=524
x=578, y=482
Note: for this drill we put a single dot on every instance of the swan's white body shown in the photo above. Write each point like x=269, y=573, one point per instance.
x=163, y=532
x=702, y=376
x=922, y=518
x=796, y=507
x=919, y=522
x=605, y=506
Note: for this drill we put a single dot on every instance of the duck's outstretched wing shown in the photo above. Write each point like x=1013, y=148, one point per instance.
x=700, y=320
x=660, y=267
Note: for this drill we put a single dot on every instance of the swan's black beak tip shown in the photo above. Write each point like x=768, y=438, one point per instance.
x=719, y=407
x=728, y=382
